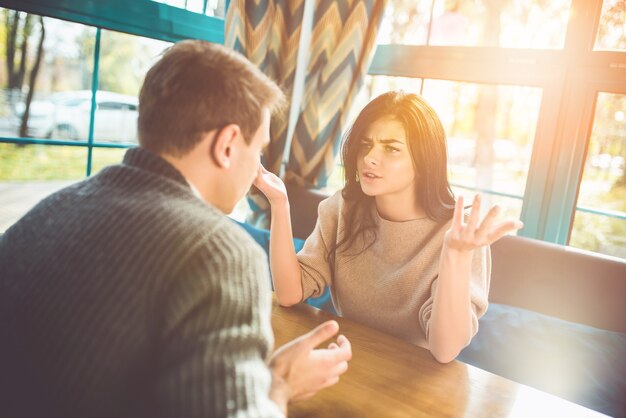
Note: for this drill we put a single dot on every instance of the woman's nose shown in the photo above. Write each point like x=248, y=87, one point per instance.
x=371, y=157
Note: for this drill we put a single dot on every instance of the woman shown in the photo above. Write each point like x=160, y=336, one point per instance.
x=393, y=246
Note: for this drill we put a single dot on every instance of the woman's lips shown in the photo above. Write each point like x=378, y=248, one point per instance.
x=369, y=176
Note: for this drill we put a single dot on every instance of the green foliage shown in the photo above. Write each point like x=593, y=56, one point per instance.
x=40, y=162
x=44, y=162
x=600, y=233
x=124, y=59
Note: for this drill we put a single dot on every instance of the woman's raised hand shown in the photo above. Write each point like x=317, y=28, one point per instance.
x=467, y=236
x=270, y=185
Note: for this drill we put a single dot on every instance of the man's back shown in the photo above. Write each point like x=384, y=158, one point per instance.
x=123, y=293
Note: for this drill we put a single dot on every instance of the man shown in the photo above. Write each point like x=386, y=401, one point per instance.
x=131, y=294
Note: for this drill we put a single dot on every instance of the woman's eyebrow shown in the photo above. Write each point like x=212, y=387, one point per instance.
x=384, y=141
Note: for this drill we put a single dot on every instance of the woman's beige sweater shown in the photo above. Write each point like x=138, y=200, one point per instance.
x=389, y=286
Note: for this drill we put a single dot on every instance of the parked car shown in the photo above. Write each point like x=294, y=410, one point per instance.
x=66, y=115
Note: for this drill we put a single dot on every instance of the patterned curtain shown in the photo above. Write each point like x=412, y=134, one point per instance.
x=267, y=32
x=342, y=46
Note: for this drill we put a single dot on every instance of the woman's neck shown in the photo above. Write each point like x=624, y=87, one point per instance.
x=399, y=208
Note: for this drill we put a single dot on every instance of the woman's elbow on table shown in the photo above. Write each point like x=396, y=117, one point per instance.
x=445, y=356
x=447, y=353
x=287, y=300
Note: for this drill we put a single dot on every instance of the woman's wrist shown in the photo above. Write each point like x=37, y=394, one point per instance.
x=451, y=251
x=279, y=204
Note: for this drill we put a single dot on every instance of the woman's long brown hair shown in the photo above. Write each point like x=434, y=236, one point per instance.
x=427, y=146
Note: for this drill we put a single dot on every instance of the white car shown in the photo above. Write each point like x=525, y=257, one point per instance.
x=66, y=116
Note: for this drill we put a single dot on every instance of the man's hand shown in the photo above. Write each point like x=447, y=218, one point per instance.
x=299, y=370
x=468, y=236
x=270, y=185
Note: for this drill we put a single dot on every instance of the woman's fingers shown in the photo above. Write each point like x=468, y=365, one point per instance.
x=457, y=217
x=486, y=224
x=475, y=233
x=474, y=215
x=503, y=228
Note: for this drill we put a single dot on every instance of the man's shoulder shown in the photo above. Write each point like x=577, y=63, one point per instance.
x=227, y=230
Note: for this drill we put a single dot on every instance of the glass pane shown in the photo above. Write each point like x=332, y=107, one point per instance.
x=405, y=22
x=599, y=233
x=379, y=84
x=213, y=7
x=103, y=157
x=216, y=8
x=176, y=3
x=195, y=6
x=124, y=61
x=28, y=173
x=65, y=62
x=612, y=27
x=603, y=185
x=510, y=208
x=496, y=23
x=490, y=131
x=376, y=85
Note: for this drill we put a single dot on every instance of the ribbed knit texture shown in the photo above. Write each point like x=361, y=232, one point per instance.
x=390, y=285
x=125, y=295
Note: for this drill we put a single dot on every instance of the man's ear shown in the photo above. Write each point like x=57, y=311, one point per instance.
x=223, y=145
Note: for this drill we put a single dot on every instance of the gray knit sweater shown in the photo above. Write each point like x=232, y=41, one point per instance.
x=127, y=296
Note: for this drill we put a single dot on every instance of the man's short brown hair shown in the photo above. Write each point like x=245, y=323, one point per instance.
x=197, y=87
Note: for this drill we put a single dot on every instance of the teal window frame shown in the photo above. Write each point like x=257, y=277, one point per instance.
x=144, y=18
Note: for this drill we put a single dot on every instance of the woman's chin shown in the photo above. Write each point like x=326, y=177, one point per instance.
x=368, y=190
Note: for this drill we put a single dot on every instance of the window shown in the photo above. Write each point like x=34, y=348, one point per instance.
x=71, y=108
x=506, y=23
x=207, y=7
x=600, y=219
x=490, y=133
x=516, y=84
x=124, y=61
x=612, y=28
x=60, y=65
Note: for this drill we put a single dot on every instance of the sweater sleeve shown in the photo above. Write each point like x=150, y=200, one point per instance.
x=313, y=258
x=479, y=291
x=215, y=334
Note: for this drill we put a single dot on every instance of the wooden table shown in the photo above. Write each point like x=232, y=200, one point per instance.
x=389, y=377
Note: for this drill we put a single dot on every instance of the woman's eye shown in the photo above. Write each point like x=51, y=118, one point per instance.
x=391, y=149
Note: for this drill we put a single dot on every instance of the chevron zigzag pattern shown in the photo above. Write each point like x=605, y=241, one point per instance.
x=268, y=34
x=343, y=40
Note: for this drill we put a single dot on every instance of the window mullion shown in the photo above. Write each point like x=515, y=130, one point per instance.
x=582, y=28
x=568, y=157
x=539, y=174
x=94, y=88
